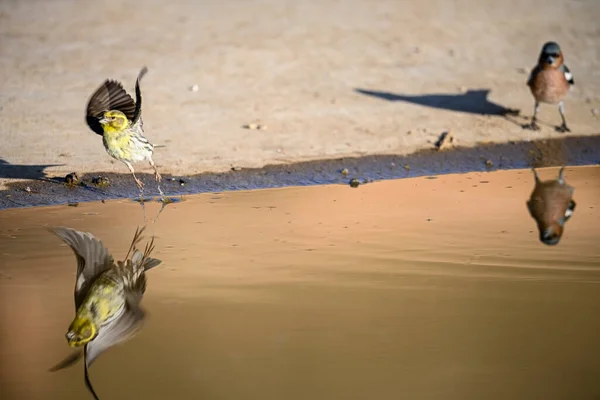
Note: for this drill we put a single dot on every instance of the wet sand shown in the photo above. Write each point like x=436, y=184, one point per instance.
x=415, y=288
x=572, y=150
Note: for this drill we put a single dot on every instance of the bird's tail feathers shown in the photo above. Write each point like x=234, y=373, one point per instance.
x=151, y=263
x=144, y=260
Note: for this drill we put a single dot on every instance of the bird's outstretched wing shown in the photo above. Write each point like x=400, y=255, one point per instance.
x=68, y=361
x=92, y=258
x=109, y=96
x=117, y=331
x=138, y=97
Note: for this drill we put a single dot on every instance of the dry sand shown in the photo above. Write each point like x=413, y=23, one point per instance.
x=292, y=65
x=415, y=288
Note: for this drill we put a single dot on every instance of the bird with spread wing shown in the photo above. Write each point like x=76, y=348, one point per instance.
x=107, y=296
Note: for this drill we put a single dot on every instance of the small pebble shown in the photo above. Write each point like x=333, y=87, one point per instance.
x=236, y=168
x=194, y=88
x=446, y=140
x=354, y=183
x=28, y=189
x=344, y=171
x=182, y=182
x=489, y=163
x=407, y=167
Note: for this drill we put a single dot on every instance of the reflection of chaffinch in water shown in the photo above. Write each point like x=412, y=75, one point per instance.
x=551, y=205
x=550, y=81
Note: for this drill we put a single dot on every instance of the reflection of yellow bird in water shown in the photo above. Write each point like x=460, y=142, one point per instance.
x=107, y=295
x=112, y=113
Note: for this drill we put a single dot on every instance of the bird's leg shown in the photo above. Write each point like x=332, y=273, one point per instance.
x=533, y=125
x=157, y=177
x=535, y=175
x=139, y=183
x=561, y=175
x=563, y=128
x=156, y=174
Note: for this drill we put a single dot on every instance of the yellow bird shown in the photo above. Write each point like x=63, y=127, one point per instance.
x=112, y=113
x=107, y=295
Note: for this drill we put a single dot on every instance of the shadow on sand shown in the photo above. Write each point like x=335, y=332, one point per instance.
x=570, y=150
x=472, y=102
x=12, y=171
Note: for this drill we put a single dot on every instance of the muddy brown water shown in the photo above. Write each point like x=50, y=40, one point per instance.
x=410, y=289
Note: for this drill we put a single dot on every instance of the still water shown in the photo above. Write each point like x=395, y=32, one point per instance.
x=411, y=289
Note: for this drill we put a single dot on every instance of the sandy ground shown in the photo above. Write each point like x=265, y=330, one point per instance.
x=327, y=77
x=414, y=288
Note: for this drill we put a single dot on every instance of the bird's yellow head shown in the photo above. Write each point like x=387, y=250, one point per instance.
x=81, y=331
x=114, y=121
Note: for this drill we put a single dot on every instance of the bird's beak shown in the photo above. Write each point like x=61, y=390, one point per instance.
x=103, y=120
x=70, y=336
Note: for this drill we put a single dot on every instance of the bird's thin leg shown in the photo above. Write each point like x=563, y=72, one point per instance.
x=157, y=177
x=535, y=175
x=561, y=110
x=156, y=174
x=140, y=186
x=561, y=175
x=162, y=207
x=137, y=181
x=533, y=125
